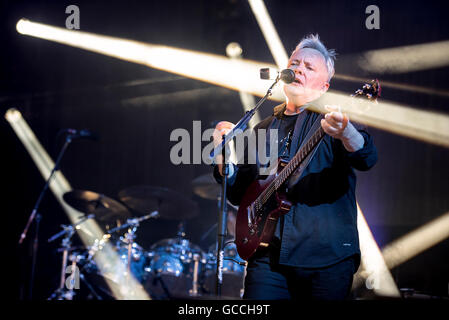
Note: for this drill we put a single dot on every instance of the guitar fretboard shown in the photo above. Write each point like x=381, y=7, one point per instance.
x=289, y=168
x=369, y=90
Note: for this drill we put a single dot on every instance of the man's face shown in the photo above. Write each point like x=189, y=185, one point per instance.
x=311, y=76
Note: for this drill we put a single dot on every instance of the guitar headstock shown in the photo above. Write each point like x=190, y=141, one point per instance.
x=370, y=90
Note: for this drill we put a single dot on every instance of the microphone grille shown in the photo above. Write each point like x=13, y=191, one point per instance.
x=288, y=75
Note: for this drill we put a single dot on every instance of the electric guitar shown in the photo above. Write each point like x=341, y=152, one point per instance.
x=265, y=200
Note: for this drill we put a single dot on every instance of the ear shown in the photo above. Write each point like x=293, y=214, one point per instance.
x=325, y=87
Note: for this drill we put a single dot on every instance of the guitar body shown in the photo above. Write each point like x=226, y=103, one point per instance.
x=255, y=228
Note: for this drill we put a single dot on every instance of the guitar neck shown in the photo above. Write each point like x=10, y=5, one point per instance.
x=291, y=166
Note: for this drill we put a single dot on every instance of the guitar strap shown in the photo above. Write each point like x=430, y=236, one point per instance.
x=302, y=118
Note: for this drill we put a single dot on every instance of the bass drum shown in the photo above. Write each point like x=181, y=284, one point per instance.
x=175, y=269
x=233, y=272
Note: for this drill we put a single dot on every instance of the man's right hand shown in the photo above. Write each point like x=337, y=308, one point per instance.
x=222, y=128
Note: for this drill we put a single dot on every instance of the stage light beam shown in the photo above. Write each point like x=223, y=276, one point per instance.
x=406, y=58
x=373, y=268
x=234, y=51
x=242, y=75
x=417, y=241
x=269, y=32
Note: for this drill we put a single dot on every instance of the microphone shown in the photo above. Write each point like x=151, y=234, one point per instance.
x=287, y=75
x=81, y=134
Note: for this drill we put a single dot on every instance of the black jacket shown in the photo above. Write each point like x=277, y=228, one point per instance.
x=321, y=227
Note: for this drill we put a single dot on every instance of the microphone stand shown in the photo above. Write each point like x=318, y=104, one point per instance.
x=222, y=215
x=38, y=217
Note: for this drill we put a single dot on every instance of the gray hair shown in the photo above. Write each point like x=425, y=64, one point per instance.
x=313, y=41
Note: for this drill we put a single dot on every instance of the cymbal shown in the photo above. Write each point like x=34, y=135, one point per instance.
x=170, y=204
x=206, y=187
x=107, y=211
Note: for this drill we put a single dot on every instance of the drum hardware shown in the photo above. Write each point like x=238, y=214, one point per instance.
x=133, y=260
x=194, y=291
x=129, y=252
x=240, y=262
x=129, y=239
x=181, y=230
x=70, y=228
x=108, y=213
x=232, y=267
x=171, y=268
x=134, y=222
x=132, y=225
x=66, y=292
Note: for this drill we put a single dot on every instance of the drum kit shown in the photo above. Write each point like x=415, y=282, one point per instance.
x=171, y=268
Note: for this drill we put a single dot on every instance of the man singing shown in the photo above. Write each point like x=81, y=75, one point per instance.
x=315, y=249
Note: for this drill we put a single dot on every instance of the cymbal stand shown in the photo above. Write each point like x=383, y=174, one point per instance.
x=195, y=284
x=181, y=230
x=132, y=225
x=61, y=293
x=68, y=231
x=131, y=222
x=129, y=239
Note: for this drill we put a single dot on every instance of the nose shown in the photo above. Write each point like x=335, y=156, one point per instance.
x=299, y=69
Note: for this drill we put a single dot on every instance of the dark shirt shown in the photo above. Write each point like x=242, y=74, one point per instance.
x=285, y=133
x=321, y=227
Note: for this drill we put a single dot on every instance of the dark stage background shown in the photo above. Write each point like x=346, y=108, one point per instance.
x=134, y=109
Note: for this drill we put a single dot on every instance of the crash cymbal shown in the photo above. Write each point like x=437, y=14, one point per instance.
x=206, y=187
x=170, y=204
x=107, y=211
